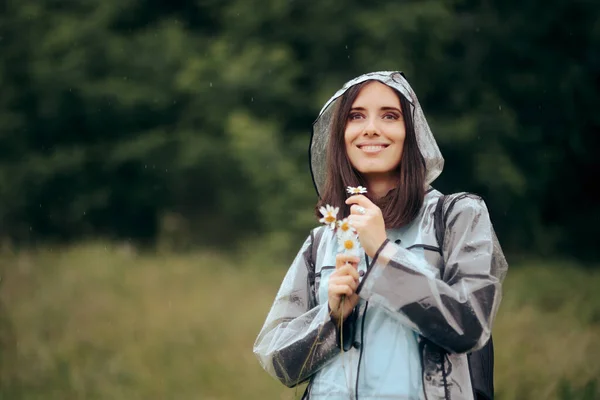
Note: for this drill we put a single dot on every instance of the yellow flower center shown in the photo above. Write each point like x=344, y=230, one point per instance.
x=348, y=244
x=329, y=218
x=345, y=226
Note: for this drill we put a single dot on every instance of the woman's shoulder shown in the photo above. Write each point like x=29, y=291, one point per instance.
x=455, y=203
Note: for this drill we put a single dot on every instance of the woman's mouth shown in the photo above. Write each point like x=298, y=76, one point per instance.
x=372, y=148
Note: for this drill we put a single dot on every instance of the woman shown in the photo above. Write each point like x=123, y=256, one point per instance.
x=411, y=309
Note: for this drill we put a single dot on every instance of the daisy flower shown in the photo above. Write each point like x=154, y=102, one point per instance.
x=344, y=227
x=329, y=215
x=356, y=190
x=348, y=243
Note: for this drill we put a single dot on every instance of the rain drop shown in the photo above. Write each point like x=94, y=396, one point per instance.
x=145, y=166
x=500, y=108
x=252, y=99
x=346, y=47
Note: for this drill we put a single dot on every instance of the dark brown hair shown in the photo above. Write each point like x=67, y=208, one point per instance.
x=401, y=204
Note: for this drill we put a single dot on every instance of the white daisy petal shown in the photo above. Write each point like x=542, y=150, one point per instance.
x=356, y=190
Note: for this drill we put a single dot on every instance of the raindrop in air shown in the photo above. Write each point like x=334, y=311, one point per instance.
x=500, y=108
x=210, y=84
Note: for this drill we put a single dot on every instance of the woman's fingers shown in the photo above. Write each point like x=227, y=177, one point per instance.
x=341, y=290
x=343, y=282
x=347, y=280
x=344, y=270
x=360, y=200
x=342, y=259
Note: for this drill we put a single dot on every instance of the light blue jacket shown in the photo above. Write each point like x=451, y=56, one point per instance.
x=411, y=293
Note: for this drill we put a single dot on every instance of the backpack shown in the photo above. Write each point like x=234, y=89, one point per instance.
x=481, y=362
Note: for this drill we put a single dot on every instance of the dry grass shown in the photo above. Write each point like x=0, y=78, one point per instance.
x=97, y=322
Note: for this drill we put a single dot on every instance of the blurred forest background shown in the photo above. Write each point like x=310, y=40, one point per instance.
x=153, y=173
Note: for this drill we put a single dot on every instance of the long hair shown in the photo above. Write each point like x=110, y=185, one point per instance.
x=401, y=204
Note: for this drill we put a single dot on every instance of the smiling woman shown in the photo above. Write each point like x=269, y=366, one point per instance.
x=398, y=321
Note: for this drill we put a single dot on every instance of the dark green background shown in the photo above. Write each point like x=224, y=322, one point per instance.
x=189, y=121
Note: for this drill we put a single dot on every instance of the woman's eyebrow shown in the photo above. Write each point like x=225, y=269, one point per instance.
x=382, y=109
x=391, y=109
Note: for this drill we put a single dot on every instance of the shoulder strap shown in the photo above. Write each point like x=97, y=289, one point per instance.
x=315, y=238
x=315, y=246
x=440, y=218
x=438, y=222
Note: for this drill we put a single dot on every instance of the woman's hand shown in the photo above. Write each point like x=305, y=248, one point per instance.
x=369, y=225
x=343, y=282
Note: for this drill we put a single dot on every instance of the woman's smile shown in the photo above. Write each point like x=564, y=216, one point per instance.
x=372, y=149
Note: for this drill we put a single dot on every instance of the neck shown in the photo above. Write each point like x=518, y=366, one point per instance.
x=379, y=186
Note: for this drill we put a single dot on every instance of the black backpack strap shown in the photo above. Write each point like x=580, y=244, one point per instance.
x=438, y=223
x=315, y=238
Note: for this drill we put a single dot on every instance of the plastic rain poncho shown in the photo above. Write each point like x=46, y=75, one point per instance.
x=408, y=293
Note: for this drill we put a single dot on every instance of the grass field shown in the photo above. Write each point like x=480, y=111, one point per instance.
x=100, y=322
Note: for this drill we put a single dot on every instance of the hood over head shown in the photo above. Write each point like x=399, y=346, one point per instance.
x=434, y=162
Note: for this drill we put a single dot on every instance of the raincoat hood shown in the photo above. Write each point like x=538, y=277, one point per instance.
x=434, y=162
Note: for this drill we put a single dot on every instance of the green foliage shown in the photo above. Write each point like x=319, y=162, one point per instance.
x=118, y=117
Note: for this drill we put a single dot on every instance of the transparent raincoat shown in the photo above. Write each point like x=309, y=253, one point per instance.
x=419, y=312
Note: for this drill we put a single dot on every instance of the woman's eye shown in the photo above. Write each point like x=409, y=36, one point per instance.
x=391, y=116
x=354, y=116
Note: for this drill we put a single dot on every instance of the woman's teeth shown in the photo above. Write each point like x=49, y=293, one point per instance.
x=372, y=149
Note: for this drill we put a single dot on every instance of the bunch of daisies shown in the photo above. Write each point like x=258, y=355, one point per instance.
x=347, y=236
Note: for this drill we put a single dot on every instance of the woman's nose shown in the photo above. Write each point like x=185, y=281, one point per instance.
x=370, y=127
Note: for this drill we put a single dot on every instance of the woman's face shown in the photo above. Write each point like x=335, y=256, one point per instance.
x=375, y=132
